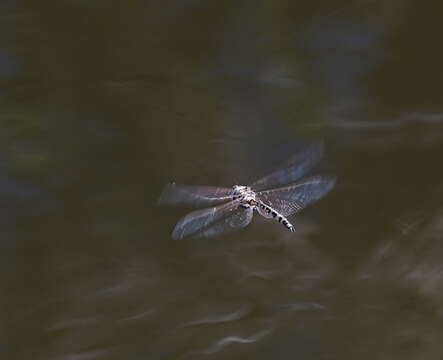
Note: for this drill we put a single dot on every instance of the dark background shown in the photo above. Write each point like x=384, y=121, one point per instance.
x=102, y=103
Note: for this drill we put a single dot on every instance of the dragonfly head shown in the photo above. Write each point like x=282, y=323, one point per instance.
x=241, y=189
x=245, y=193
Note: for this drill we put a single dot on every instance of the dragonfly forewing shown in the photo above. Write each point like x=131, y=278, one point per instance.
x=178, y=194
x=293, y=170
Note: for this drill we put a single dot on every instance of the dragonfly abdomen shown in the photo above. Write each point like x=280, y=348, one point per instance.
x=276, y=215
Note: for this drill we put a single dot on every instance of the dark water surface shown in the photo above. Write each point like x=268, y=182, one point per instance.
x=104, y=102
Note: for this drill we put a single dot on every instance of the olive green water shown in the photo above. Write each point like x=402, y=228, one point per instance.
x=102, y=103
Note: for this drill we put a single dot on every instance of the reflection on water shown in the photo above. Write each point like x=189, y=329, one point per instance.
x=101, y=104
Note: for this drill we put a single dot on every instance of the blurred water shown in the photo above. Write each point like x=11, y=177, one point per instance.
x=103, y=103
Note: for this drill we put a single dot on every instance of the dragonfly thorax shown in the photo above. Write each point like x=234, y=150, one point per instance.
x=244, y=193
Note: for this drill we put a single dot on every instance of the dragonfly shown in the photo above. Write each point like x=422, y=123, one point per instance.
x=275, y=196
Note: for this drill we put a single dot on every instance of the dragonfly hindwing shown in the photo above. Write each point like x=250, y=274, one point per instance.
x=239, y=219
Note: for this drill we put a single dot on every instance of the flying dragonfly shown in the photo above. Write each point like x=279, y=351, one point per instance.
x=275, y=196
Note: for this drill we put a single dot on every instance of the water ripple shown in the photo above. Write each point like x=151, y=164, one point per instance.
x=222, y=343
x=217, y=319
x=65, y=324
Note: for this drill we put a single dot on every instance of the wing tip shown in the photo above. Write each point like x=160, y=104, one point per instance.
x=331, y=179
x=177, y=233
x=319, y=146
x=329, y=182
x=164, y=198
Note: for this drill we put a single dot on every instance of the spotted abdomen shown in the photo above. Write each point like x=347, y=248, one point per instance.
x=268, y=212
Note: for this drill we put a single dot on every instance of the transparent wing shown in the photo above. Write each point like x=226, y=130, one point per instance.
x=294, y=197
x=177, y=194
x=239, y=219
x=294, y=169
x=201, y=219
